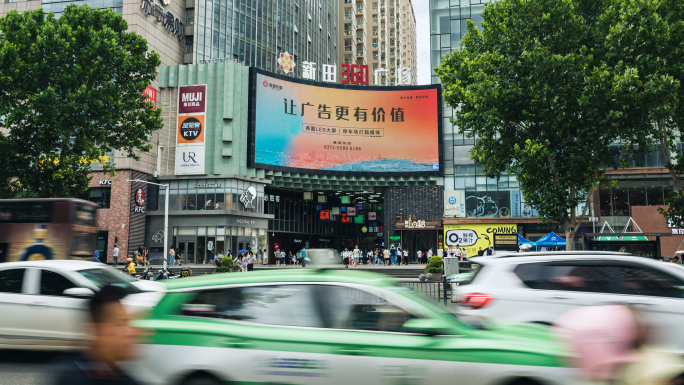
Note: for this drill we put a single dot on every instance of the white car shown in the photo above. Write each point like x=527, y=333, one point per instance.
x=43, y=303
x=539, y=287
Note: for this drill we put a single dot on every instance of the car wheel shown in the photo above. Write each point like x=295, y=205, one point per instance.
x=202, y=379
x=524, y=381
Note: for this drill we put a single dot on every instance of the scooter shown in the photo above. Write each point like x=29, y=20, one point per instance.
x=165, y=274
x=146, y=274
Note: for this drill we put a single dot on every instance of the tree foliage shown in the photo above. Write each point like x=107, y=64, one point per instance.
x=649, y=35
x=71, y=91
x=548, y=100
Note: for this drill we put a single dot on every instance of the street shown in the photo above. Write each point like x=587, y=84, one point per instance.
x=24, y=367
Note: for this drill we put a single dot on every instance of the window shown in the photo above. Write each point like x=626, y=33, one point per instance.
x=52, y=283
x=354, y=309
x=99, y=195
x=11, y=280
x=104, y=277
x=600, y=278
x=284, y=305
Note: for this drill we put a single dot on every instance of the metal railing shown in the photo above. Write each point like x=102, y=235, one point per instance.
x=433, y=290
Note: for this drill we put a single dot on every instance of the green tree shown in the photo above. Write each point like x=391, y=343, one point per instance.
x=649, y=35
x=547, y=101
x=71, y=90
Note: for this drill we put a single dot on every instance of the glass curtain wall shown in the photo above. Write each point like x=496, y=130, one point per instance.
x=255, y=32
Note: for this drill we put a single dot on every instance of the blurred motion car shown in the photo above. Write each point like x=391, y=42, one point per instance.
x=43, y=303
x=331, y=326
x=540, y=287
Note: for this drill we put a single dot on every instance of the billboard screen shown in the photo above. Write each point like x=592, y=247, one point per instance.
x=330, y=128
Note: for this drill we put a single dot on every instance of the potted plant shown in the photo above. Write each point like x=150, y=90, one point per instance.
x=435, y=267
x=226, y=265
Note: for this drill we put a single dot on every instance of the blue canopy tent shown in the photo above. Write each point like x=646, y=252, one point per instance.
x=550, y=240
x=522, y=240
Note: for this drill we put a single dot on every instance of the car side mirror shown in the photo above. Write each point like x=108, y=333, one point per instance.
x=428, y=327
x=78, y=292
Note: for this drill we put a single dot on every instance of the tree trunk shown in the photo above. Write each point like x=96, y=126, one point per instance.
x=570, y=231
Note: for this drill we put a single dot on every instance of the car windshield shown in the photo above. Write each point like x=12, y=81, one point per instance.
x=103, y=277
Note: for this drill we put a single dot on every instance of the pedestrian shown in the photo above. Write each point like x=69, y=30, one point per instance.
x=96, y=256
x=386, y=256
x=345, y=258
x=371, y=257
x=457, y=252
x=146, y=253
x=425, y=258
x=111, y=340
x=172, y=257
x=210, y=257
x=675, y=260
x=480, y=252
x=178, y=257
x=115, y=256
x=283, y=257
x=259, y=256
x=393, y=255
x=303, y=254
x=291, y=258
x=131, y=267
x=405, y=259
x=250, y=262
x=356, y=254
x=139, y=255
x=419, y=256
x=464, y=256
x=245, y=262
x=277, y=257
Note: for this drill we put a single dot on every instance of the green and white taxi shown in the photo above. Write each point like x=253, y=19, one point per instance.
x=317, y=326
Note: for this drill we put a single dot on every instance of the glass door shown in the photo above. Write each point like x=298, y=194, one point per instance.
x=191, y=255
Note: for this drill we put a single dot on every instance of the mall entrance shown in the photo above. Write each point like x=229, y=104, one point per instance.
x=419, y=241
x=324, y=219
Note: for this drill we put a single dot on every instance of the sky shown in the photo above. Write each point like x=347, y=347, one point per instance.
x=421, y=9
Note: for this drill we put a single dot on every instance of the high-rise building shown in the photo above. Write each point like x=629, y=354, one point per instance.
x=382, y=35
x=255, y=32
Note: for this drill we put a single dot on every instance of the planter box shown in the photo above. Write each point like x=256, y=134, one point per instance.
x=437, y=276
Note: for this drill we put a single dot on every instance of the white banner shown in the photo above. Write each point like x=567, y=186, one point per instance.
x=190, y=159
x=454, y=203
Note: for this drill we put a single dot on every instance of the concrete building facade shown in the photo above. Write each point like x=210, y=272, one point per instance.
x=382, y=35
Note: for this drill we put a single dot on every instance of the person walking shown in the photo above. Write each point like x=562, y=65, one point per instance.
x=345, y=258
x=96, y=256
x=405, y=259
x=111, y=340
x=245, y=262
x=386, y=257
x=356, y=254
x=303, y=253
x=115, y=256
x=277, y=257
x=146, y=252
x=419, y=256
x=139, y=255
x=250, y=262
x=371, y=257
x=172, y=257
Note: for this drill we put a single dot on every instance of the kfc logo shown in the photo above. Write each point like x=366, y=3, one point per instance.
x=139, y=197
x=265, y=83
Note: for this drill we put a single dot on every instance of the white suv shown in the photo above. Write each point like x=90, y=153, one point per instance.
x=539, y=287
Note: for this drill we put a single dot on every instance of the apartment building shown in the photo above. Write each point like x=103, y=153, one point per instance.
x=382, y=35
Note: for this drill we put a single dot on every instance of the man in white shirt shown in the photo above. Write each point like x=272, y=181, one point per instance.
x=419, y=256
x=115, y=256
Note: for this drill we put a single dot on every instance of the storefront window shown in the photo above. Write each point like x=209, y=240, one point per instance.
x=605, y=201
x=654, y=193
x=637, y=193
x=620, y=200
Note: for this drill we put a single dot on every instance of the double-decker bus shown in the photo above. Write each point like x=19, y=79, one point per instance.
x=54, y=228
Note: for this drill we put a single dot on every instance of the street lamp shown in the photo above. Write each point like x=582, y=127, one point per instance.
x=166, y=215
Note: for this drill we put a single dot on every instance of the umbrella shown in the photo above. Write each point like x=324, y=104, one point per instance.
x=526, y=246
x=243, y=251
x=155, y=257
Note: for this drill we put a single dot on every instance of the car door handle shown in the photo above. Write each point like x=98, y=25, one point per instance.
x=559, y=297
x=352, y=352
x=236, y=344
x=37, y=304
x=639, y=304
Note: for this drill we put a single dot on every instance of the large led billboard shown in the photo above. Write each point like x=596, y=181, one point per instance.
x=300, y=125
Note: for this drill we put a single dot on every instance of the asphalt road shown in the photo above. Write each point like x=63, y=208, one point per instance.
x=20, y=367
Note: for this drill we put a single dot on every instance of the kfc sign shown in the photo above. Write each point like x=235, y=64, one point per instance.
x=192, y=99
x=139, y=198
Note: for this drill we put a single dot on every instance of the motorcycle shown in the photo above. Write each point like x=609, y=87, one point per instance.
x=165, y=274
x=145, y=274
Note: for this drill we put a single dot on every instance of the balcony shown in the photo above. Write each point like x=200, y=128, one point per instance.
x=348, y=16
x=359, y=40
